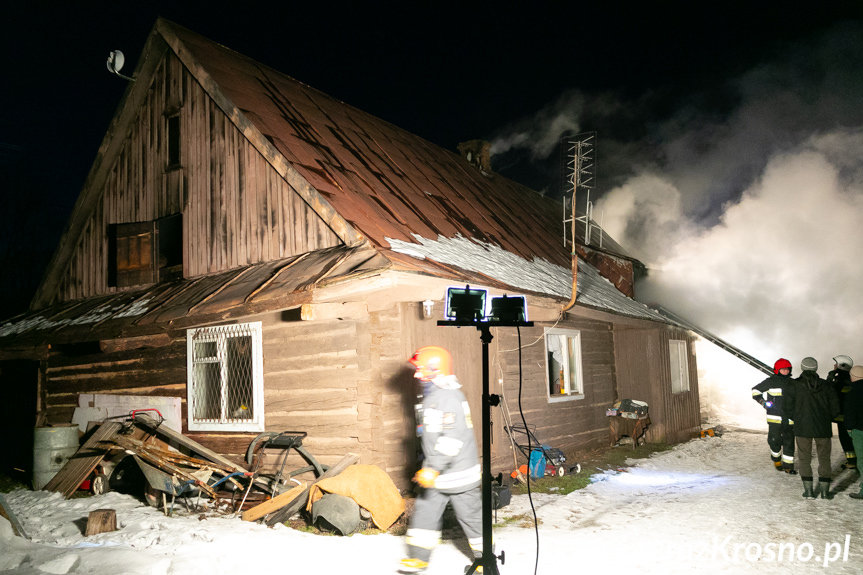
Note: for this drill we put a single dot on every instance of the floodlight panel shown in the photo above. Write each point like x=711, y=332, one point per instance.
x=465, y=303
x=509, y=308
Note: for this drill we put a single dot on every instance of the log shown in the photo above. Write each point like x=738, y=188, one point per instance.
x=288, y=510
x=101, y=521
x=274, y=504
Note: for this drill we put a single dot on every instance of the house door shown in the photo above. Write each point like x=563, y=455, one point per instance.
x=19, y=384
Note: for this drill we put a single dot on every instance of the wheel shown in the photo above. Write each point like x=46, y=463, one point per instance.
x=561, y=471
x=99, y=484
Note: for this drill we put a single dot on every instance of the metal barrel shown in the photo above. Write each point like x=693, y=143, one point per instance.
x=52, y=448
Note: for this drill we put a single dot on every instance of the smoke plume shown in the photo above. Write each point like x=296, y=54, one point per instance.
x=747, y=204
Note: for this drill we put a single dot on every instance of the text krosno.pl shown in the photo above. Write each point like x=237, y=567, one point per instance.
x=783, y=552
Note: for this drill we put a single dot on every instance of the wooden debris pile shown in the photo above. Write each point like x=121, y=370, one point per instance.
x=196, y=473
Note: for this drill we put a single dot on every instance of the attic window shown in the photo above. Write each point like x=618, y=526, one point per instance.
x=132, y=253
x=174, y=141
x=142, y=253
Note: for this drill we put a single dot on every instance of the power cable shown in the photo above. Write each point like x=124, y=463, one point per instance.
x=529, y=450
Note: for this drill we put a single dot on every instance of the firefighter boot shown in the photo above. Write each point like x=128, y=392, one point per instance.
x=808, y=492
x=824, y=488
x=777, y=465
x=850, y=462
x=858, y=495
x=412, y=565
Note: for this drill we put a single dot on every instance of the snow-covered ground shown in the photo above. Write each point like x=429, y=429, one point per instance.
x=712, y=505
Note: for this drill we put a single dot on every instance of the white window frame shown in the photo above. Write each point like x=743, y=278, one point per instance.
x=572, y=389
x=678, y=357
x=218, y=334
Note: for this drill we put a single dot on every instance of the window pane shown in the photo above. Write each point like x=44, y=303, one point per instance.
x=572, y=380
x=206, y=350
x=207, y=387
x=239, y=388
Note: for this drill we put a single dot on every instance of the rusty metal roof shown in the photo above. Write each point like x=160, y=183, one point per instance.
x=406, y=196
x=226, y=296
x=386, y=182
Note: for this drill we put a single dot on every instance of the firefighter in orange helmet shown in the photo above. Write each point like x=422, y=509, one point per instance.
x=450, y=471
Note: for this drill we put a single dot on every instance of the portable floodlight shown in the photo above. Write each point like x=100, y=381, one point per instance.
x=465, y=304
x=510, y=310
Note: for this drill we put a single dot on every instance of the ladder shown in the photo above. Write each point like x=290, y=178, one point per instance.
x=742, y=355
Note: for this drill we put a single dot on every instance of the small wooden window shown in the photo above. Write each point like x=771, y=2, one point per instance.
x=563, y=364
x=132, y=253
x=174, y=141
x=679, y=359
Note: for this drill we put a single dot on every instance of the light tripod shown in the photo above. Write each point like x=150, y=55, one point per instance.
x=488, y=560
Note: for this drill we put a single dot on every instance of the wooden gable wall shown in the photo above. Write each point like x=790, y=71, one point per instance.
x=644, y=373
x=237, y=210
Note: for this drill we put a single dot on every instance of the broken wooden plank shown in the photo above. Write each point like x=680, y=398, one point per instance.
x=85, y=460
x=275, y=503
x=288, y=510
x=181, y=439
x=6, y=512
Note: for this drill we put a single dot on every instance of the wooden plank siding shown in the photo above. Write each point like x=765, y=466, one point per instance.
x=644, y=373
x=157, y=371
x=576, y=425
x=237, y=210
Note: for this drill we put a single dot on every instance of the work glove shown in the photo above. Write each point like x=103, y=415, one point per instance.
x=426, y=477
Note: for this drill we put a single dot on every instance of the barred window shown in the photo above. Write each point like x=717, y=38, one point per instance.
x=225, y=372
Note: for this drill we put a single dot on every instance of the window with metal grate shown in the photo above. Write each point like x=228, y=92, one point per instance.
x=225, y=378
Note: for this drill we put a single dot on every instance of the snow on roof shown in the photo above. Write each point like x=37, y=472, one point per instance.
x=535, y=275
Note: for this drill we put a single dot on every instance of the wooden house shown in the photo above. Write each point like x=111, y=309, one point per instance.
x=259, y=253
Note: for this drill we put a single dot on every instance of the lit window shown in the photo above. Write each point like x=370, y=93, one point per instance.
x=563, y=360
x=225, y=390
x=679, y=366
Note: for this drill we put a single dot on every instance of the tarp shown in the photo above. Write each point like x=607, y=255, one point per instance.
x=370, y=487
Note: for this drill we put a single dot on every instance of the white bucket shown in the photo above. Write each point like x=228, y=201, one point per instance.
x=52, y=448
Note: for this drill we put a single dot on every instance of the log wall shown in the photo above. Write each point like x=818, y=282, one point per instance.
x=237, y=210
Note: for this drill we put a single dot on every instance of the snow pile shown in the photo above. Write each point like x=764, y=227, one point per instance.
x=712, y=505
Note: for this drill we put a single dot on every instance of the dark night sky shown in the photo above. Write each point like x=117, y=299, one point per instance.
x=446, y=71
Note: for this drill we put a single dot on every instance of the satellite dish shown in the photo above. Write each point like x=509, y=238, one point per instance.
x=115, y=63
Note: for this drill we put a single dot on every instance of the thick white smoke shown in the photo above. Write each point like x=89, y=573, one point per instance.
x=750, y=220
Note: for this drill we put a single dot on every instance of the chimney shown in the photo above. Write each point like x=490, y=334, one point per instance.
x=477, y=153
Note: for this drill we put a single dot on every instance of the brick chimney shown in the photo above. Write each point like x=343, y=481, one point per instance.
x=477, y=153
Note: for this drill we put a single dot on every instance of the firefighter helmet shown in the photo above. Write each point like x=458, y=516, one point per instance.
x=432, y=361
x=843, y=362
x=781, y=363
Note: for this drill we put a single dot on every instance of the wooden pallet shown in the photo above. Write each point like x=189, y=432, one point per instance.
x=84, y=462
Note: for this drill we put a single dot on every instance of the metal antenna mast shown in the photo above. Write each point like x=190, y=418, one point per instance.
x=581, y=170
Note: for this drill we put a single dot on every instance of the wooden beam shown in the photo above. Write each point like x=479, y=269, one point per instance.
x=322, y=311
x=274, y=504
x=298, y=503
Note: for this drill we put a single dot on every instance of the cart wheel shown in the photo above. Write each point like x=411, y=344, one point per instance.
x=152, y=497
x=576, y=468
x=561, y=471
x=99, y=484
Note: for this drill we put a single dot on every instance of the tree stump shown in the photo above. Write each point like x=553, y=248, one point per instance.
x=101, y=521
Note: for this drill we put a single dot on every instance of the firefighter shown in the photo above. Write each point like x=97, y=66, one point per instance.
x=854, y=417
x=841, y=382
x=813, y=405
x=450, y=470
x=780, y=430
